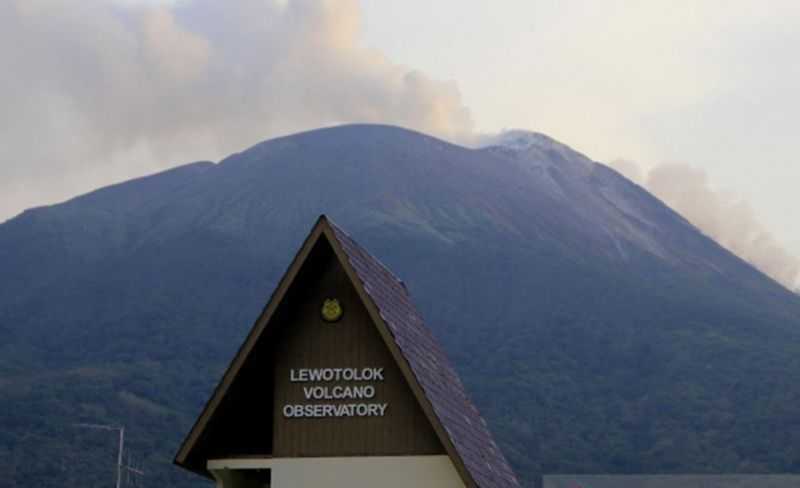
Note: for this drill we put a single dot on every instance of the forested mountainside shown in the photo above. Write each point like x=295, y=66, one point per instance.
x=596, y=329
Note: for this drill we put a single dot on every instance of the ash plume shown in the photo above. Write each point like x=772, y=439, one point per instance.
x=97, y=91
x=724, y=217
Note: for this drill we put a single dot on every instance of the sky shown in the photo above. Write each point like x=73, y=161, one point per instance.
x=697, y=101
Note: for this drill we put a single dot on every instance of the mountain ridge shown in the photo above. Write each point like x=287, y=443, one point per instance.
x=580, y=310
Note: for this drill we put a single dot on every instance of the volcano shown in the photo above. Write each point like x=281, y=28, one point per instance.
x=596, y=329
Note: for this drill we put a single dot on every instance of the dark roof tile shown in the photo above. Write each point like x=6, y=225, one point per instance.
x=467, y=430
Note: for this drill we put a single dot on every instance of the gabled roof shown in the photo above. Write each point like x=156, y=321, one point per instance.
x=432, y=379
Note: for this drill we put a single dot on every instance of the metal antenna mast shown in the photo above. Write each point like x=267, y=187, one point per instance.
x=121, y=431
x=130, y=469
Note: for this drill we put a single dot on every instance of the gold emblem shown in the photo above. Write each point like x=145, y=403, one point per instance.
x=331, y=310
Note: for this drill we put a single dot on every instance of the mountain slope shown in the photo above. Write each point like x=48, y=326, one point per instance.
x=597, y=330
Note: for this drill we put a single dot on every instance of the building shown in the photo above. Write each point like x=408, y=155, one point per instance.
x=340, y=383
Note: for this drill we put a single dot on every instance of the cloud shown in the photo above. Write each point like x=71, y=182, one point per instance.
x=98, y=91
x=724, y=217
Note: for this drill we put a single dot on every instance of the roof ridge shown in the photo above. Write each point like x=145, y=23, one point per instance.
x=339, y=230
x=467, y=430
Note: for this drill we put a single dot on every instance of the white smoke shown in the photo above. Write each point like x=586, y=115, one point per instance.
x=95, y=91
x=724, y=217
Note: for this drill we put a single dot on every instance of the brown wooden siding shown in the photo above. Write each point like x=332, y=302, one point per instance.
x=304, y=340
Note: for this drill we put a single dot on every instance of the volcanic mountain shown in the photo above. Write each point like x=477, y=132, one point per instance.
x=596, y=329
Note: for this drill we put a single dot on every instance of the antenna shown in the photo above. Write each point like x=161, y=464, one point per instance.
x=130, y=470
x=120, y=467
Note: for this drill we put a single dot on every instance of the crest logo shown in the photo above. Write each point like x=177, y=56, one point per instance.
x=331, y=310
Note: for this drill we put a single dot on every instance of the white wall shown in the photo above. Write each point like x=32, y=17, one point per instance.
x=344, y=472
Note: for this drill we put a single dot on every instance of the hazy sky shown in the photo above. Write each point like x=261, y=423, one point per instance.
x=98, y=91
x=712, y=84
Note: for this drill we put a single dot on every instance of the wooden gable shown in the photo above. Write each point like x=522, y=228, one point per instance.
x=422, y=405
